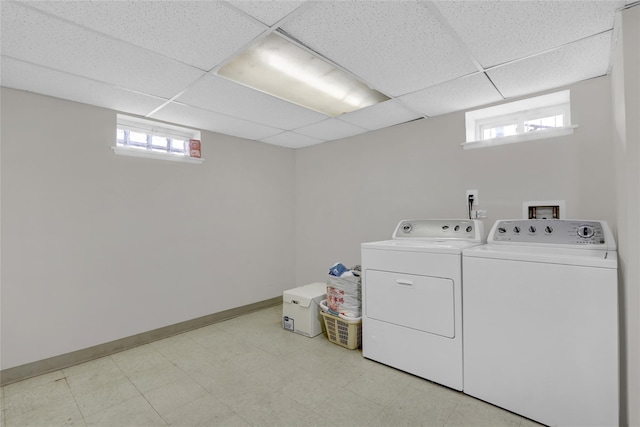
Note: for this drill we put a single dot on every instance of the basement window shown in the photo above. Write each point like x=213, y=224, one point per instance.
x=541, y=117
x=139, y=137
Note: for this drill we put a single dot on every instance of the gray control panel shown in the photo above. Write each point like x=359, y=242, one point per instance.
x=438, y=229
x=566, y=232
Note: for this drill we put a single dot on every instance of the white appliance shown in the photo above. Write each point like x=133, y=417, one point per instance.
x=412, y=298
x=541, y=321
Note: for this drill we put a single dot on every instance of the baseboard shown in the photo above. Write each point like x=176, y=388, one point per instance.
x=55, y=363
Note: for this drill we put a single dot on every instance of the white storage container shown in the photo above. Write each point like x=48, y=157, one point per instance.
x=300, y=309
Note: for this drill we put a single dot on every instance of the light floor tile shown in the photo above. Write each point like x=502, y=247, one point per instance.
x=30, y=399
x=279, y=410
x=206, y=410
x=239, y=390
x=87, y=376
x=379, y=386
x=63, y=412
x=105, y=396
x=174, y=395
x=344, y=407
x=308, y=390
x=138, y=359
x=32, y=382
x=133, y=412
x=475, y=413
x=416, y=407
x=246, y=371
x=156, y=376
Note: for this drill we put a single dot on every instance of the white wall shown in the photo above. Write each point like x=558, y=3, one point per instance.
x=356, y=190
x=626, y=110
x=97, y=247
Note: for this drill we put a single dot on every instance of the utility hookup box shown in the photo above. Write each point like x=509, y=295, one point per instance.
x=301, y=309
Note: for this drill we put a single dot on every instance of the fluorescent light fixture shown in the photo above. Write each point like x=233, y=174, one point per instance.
x=281, y=68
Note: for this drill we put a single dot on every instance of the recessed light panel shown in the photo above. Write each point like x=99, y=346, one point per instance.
x=281, y=68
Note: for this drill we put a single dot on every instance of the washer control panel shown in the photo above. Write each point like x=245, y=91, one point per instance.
x=565, y=232
x=439, y=229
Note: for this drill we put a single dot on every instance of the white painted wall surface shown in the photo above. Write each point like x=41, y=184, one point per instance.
x=625, y=79
x=356, y=190
x=98, y=247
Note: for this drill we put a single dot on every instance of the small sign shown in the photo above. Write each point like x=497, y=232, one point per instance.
x=194, y=148
x=287, y=323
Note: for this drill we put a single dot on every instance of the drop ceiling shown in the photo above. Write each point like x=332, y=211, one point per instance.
x=159, y=59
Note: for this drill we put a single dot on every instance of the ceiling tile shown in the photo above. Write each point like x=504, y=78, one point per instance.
x=456, y=95
x=198, y=33
x=292, y=140
x=572, y=63
x=331, y=129
x=19, y=75
x=381, y=115
x=214, y=122
x=267, y=12
x=397, y=47
x=40, y=39
x=502, y=31
x=223, y=96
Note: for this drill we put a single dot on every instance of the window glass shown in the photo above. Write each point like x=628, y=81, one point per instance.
x=158, y=142
x=499, y=131
x=539, y=117
x=178, y=145
x=155, y=138
x=556, y=121
x=137, y=138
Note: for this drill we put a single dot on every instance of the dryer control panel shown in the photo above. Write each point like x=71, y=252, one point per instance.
x=553, y=231
x=458, y=229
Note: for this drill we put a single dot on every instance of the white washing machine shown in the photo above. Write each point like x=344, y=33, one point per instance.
x=412, y=298
x=541, y=321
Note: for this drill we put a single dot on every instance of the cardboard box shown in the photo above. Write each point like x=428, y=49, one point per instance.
x=301, y=309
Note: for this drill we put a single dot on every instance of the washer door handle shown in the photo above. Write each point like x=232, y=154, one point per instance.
x=404, y=282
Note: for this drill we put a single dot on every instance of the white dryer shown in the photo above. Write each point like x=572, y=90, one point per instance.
x=412, y=298
x=541, y=321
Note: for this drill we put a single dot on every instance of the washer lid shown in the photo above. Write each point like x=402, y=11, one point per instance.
x=547, y=255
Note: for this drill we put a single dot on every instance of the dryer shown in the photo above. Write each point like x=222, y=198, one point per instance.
x=412, y=298
x=541, y=321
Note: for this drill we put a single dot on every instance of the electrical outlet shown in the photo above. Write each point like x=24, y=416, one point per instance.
x=473, y=193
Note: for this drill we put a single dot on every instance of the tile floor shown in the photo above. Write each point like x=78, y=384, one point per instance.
x=246, y=371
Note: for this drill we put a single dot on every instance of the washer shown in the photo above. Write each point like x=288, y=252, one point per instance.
x=412, y=298
x=541, y=321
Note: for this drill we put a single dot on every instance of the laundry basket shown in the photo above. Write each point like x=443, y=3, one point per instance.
x=347, y=333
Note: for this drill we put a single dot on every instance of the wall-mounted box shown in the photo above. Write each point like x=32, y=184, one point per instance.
x=549, y=209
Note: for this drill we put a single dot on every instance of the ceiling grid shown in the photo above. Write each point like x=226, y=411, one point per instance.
x=160, y=59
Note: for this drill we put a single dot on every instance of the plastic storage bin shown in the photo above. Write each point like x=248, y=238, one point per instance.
x=347, y=333
x=300, y=309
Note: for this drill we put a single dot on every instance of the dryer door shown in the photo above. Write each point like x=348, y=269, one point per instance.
x=419, y=302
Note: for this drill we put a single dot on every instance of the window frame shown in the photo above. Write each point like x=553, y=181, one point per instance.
x=151, y=129
x=519, y=112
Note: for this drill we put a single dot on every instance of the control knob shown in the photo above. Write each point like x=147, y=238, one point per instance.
x=548, y=229
x=586, y=231
x=502, y=230
x=516, y=229
x=532, y=229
